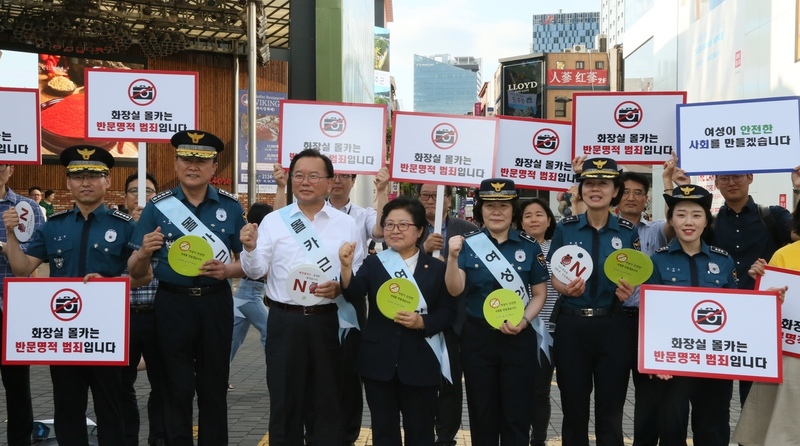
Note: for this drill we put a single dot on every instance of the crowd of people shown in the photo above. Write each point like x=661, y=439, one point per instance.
x=323, y=343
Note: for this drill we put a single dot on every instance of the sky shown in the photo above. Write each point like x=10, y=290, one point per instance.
x=489, y=29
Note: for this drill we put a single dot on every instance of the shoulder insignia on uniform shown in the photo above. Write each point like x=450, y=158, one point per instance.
x=663, y=249
x=718, y=250
x=528, y=237
x=542, y=259
x=470, y=234
x=225, y=193
x=121, y=215
x=59, y=214
x=161, y=195
x=624, y=222
x=571, y=219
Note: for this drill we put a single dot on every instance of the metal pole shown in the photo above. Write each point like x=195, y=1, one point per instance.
x=236, y=117
x=251, y=102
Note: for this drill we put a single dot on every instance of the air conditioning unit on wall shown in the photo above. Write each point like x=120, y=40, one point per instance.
x=578, y=48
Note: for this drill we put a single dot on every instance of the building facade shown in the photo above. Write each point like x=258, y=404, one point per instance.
x=556, y=32
x=446, y=84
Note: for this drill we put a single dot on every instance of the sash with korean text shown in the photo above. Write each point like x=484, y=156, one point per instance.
x=302, y=231
x=507, y=277
x=187, y=222
x=397, y=267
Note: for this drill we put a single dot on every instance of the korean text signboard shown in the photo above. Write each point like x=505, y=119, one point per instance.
x=65, y=321
x=139, y=105
x=790, y=309
x=19, y=126
x=630, y=127
x=267, y=131
x=752, y=136
x=353, y=136
x=446, y=149
x=710, y=333
x=535, y=153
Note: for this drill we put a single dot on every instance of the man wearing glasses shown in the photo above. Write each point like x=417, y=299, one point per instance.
x=16, y=378
x=142, y=340
x=87, y=241
x=193, y=305
x=368, y=227
x=304, y=356
x=748, y=231
x=449, y=403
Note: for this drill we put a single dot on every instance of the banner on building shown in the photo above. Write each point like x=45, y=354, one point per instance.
x=267, y=132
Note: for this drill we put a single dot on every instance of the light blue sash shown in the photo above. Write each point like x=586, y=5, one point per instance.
x=302, y=231
x=397, y=267
x=508, y=278
x=187, y=222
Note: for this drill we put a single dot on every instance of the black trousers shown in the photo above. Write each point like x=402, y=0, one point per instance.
x=388, y=399
x=70, y=399
x=143, y=342
x=19, y=410
x=194, y=337
x=498, y=369
x=352, y=394
x=592, y=352
x=711, y=404
x=666, y=402
x=540, y=419
x=304, y=367
x=451, y=397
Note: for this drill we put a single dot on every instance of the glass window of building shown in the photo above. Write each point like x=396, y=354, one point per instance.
x=599, y=65
x=579, y=64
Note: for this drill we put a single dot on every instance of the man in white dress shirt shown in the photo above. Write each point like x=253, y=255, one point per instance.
x=304, y=356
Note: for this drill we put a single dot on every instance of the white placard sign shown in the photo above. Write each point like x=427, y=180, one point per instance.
x=139, y=105
x=65, y=321
x=443, y=149
x=790, y=310
x=535, y=153
x=748, y=136
x=709, y=332
x=353, y=136
x=630, y=127
x=20, y=137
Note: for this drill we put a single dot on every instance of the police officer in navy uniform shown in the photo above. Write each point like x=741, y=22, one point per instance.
x=499, y=365
x=87, y=241
x=592, y=340
x=193, y=309
x=689, y=261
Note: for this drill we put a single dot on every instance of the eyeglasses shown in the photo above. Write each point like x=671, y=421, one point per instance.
x=135, y=191
x=342, y=176
x=402, y=226
x=636, y=193
x=731, y=178
x=425, y=197
x=86, y=176
x=312, y=178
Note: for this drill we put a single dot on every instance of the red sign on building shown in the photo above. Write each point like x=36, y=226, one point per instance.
x=577, y=78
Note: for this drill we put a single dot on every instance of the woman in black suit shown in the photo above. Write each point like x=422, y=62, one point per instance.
x=399, y=358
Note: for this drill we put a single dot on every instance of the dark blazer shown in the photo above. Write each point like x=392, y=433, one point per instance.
x=388, y=347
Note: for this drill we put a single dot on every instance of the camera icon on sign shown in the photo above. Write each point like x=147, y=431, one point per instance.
x=66, y=305
x=546, y=142
x=333, y=123
x=143, y=92
x=445, y=136
x=628, y=114
x=708, y=316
